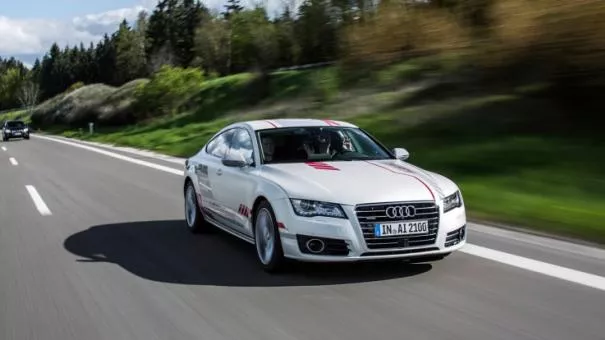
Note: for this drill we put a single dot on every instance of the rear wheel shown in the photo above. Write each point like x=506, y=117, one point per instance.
x=267, y=239
x=193, y=214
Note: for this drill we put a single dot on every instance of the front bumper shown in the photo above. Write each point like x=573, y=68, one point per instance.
x=344, y=240
x=15, y=134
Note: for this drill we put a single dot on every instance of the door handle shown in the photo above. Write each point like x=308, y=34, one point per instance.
x=219, y=172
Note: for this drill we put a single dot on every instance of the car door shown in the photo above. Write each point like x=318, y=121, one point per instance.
x=236, y=186
x=208, y=169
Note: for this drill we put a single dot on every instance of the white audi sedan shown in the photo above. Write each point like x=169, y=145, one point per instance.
x=320, y=190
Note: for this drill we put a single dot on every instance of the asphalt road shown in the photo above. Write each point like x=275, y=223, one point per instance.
x=94, y=247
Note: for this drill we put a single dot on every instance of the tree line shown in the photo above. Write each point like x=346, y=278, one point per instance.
x=185, y=33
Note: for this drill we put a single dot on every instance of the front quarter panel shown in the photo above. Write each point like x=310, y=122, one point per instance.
x=272, y=192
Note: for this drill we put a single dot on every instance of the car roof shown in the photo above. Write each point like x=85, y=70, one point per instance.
x=266, y=124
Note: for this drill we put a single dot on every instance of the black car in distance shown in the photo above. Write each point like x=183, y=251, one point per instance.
x=14, y=129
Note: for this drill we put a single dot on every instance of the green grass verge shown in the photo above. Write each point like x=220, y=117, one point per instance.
x=506, y=151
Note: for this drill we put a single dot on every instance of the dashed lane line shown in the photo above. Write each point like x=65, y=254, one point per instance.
x=38, y=201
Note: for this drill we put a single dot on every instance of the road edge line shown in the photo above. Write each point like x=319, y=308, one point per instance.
x=126, y=149
x=117, y=156
x=544, y=268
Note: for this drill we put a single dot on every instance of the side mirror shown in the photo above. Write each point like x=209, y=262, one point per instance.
x=401, y=154
x=234, y=163
x=237, y=161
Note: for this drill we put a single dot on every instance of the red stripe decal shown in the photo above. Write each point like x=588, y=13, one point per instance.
x=330, y=122
x=272, y=124
x=246, y=211
x=321, y=166
x=281, y=225
x=241, y=209
x=401, y=173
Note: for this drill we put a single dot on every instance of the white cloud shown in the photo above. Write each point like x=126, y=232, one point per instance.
x=35, y=36
x=101, y=23
x=29, y=36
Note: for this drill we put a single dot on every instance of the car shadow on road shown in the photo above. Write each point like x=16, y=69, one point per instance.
x=165, y=251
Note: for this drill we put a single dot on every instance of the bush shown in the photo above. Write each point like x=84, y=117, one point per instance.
x=564, y=39
x=169, y=91
x=397, y=31
x=74, y=87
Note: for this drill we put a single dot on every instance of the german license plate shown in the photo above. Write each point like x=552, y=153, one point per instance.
x=401, y=229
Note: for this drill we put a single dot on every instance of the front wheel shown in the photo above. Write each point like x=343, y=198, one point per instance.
x=267, y=240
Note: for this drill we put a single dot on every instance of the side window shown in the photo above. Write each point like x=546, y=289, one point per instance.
x=241, y=146
x=220, y=144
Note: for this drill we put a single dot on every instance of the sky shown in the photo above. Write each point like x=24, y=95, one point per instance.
x=29, y=27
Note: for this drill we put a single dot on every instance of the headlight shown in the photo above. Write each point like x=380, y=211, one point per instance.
x=309, y=208
x=452, y=201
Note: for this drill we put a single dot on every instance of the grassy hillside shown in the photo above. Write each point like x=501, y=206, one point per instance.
x=511, y=148
x=96, y=102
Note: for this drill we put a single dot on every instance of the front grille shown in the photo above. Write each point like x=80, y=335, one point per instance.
x=369, y=214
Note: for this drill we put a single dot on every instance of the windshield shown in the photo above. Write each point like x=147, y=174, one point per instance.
x=303, y=144
x=15, y=125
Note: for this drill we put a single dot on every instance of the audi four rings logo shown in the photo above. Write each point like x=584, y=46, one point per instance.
x=401, y=211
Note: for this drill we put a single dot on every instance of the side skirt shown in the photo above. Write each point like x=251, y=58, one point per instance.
x=214, y=222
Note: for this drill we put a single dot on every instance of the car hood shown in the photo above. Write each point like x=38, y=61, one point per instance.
x=356, y=182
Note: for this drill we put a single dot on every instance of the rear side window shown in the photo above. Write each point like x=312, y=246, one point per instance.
x=241, y=146
x=219, y=146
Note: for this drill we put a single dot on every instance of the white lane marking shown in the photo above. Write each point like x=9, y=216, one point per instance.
x=544, y=268
x=13, y=161
x=133, y=151
x=486, y=253
x=119, y=156
x=4, y=148
x=38, y=201
x=541, y=241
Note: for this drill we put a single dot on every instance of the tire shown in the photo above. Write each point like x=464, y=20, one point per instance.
x=26, y=137
x=270, y=257
x=194, y=218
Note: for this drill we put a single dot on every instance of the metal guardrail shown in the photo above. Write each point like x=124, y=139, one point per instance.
x=305, y=67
